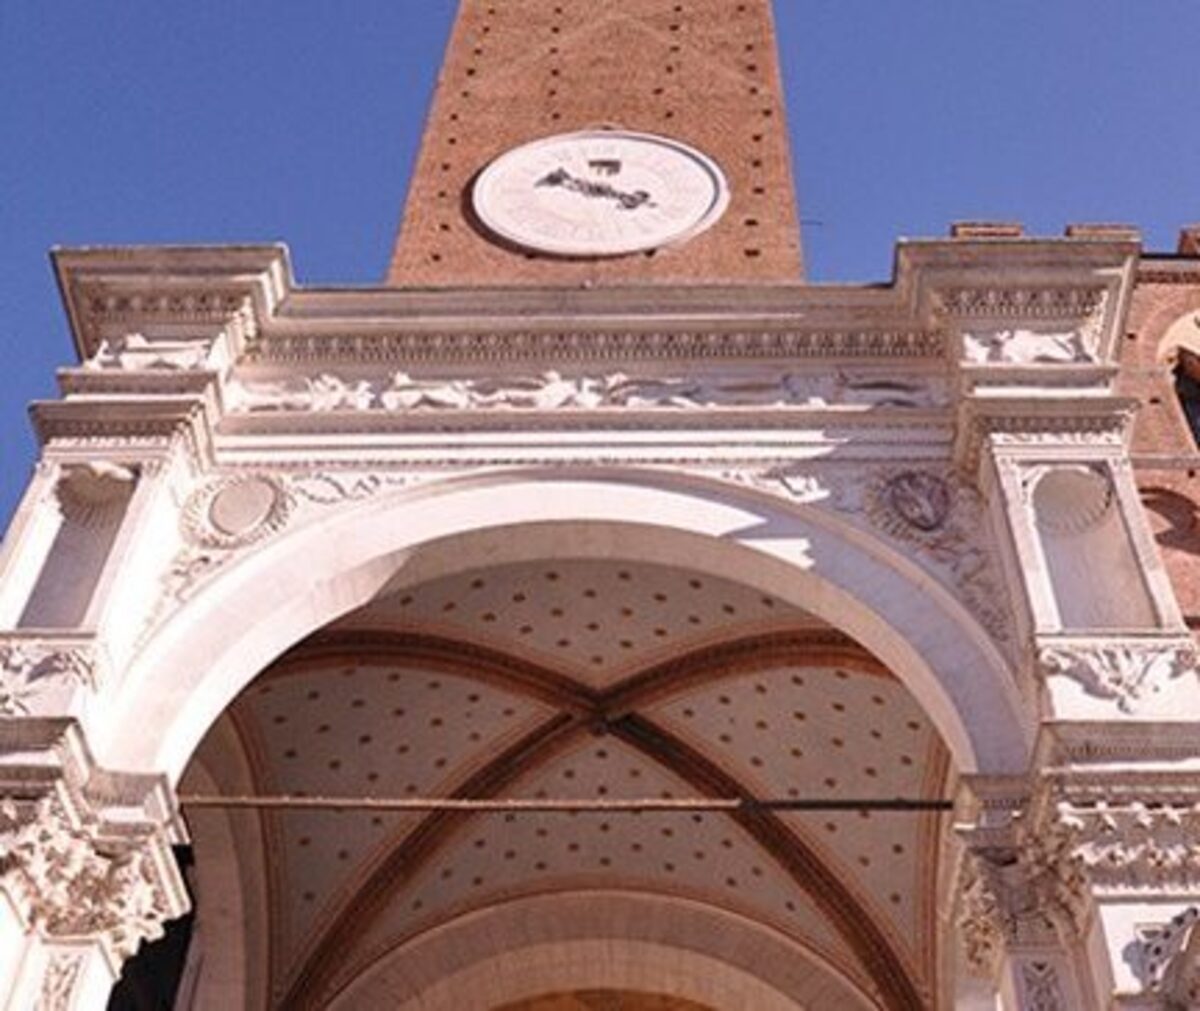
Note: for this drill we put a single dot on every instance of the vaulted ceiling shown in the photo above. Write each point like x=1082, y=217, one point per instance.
x=586, y=678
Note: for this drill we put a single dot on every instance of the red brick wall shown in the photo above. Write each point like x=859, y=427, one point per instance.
x=702, y=71
x=1167, y=463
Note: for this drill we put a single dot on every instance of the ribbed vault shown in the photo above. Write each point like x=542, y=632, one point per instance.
x=590, y=679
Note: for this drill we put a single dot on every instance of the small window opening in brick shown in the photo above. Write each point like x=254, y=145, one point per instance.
x=668, y=114
x=436, y=257
x=444, y=227
x=751, y=222
x=759, y=191
x=470, y=71
x=1187, y=388
x=752, y=254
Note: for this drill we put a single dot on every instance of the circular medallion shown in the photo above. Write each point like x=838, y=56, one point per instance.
x=230, y=512
x=600, y=193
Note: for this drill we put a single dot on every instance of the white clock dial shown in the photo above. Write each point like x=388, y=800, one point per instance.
x=600, y=193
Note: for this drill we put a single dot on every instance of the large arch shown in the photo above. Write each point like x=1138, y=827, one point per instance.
x=318, y=570
x=538, y=944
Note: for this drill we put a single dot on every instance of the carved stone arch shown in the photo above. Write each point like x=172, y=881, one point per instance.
x=316, y=571
x=610, y=939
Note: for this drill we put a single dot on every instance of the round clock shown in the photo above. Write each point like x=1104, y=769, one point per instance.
x=600, y=193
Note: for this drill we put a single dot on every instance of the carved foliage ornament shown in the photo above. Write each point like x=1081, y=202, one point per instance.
x=69, y=888
x=1126, y=672
x=943, y=520
x=1041, y=986
x=58, y=983
x=1030, y=892
x=26, y=667
x=1135, y=846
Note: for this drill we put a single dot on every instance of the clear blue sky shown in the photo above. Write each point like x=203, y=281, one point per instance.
x=150, y=121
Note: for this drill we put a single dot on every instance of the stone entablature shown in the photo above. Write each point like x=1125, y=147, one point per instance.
x=963, y=430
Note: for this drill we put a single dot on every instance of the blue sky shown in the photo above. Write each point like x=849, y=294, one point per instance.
x=150, y=121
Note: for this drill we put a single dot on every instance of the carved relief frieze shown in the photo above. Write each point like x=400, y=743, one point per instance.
x=1135, y=843
x=30, y=668
x=1047, y=343
x=1126, y=671
x=554, y=390
x=68, y=883
x=135, y=351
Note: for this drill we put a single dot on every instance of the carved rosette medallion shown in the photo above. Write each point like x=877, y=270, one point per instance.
x=920, y=499
x=233, y=512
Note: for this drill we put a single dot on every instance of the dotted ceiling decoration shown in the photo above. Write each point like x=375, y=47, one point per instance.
x=398, y=700
x=596, y=620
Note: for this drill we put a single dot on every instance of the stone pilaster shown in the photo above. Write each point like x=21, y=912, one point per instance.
x=86, y=868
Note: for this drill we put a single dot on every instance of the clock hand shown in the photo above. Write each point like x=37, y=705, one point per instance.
x=627, y=201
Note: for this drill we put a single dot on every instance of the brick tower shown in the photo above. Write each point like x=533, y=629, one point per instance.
x=703, y=72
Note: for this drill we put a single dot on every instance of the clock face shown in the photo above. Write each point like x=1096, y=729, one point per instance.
x=600, y=193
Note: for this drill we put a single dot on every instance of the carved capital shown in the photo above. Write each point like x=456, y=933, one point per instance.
x=71, y=880
x=1029, y=890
